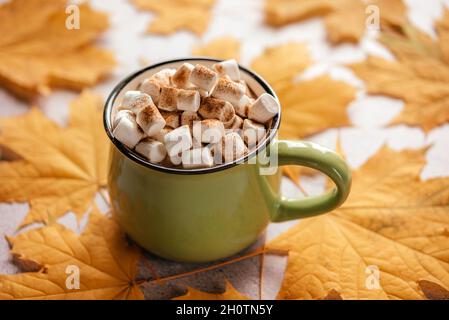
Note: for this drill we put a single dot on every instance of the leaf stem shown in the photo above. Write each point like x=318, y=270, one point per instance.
x=216, y=266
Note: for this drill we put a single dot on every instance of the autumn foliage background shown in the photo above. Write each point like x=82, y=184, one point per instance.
x=380, y=98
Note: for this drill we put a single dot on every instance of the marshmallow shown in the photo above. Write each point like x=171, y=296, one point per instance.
x=139, y=102
x=181, y=77
x=178, y=140
x=203, y=93
x=226, y=77
x=188, y=117
x=253, y=132
x=236, y=123
x=247, y=89
x=129, y=97
x=168, y=99
x=188, y=100
x=175, y=159
x=151, y=87
x=196, y=130
x=153, y=150
x=197, y=158
x=202, y=116
x=229, y=68
x=122, y=113
x=171, y=118
x=196, y=142
x=128, y=132
x=229, y=123
x=241, y=108
x=164, y=76
x=203, y=77
x=208, y=131
x=212, y=108
x=161, y=134
x=233, y=147
x=216, y=150
x=264, y=108
x=150, y=120
x=228, y=90
x=120, y=108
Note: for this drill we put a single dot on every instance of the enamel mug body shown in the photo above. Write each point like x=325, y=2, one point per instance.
x=208, y=214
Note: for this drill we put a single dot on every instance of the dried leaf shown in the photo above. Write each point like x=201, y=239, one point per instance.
x=409, y=43
x=222, y=48
x=347, y=22
x=230, y=294
x=420, y=76
x=37, y=50
x=391, y=221
x=307, y=106
x=281, y=12
x=333, y=295
x=61, y=168
x=293, y=173
x=315, y=105
x=345, y=19
x=433, y=291
x=442, y=27
x=107, y=264
x=282, y=63
x=175, y=15
x=290, y=59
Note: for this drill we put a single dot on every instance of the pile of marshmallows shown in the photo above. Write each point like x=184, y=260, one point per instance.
x=194, y=116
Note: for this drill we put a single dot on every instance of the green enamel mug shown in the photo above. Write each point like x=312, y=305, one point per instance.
x=202, y=215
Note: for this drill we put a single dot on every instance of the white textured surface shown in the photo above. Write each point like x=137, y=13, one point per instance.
x=244, y=20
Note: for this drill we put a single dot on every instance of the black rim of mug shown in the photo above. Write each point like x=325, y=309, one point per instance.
x=134, y=156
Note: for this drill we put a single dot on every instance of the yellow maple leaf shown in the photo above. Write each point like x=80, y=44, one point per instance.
x=345, y=19
x=312, y=106
x=442, y=27
x=309, y=106
x=392, y=222
x=175, y=15
x=107, y=265
x=60, y=169
x=230, y=293
x=419, y=76
x=222, y=48
x=38, y=51
x=289, y=59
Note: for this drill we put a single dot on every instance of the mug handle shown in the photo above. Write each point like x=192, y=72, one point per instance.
x=314, y=156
